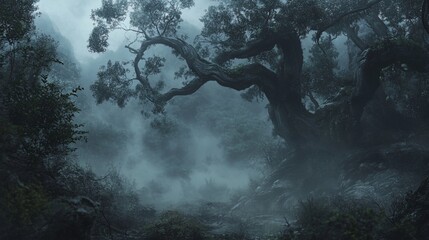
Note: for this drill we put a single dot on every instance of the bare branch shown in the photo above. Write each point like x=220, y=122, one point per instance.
x=132, y=50
x=167, y=24
x=133, y=30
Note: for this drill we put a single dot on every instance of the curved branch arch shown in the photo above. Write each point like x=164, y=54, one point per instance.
x=282, y=86
x=239, y=78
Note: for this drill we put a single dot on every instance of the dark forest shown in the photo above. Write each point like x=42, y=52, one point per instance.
x=214, y=119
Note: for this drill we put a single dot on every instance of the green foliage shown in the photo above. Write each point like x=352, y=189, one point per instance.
x=16, y=19
x=24, y=203
x=37, y=116
x=410, y=214
x=218, y=22
x=319, y=72
x=148, y=17
x=403, y=17
x=153, y=65
x=158, y=17
x=358, y=220
x=98, y=40
x=107, y=17
x=340, y=219
x=302, y=15
x=42, y=117
x=29, y=59
x=112, y=84
x=174, y=225
x=231, y=23
x=110, y=12
x=118, y=200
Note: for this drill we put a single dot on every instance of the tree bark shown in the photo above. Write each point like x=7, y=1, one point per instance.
x=353, y=36
x=377, y=25
x=282, y=88
x=376, y=58
x=425, y=15
x=302, y=130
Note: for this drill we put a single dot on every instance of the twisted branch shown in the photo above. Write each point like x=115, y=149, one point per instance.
x=252, y=48
x=375, y=59
x=188, y=89
x=239, y=78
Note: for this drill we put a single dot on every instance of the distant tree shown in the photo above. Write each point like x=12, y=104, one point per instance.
x=66, y=73
x=14, y=25
x=41, y=120
x=37, y=127
x=37, y=116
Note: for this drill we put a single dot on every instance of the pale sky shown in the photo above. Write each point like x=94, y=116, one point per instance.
x=72, y=18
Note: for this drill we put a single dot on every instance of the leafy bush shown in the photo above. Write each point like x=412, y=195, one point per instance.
x=43, y=117
x=174, y=225
x=355, y=220
x=24, y=204
x=120, y=205
x=410, y=215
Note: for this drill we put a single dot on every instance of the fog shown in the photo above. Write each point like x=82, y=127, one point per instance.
x=192, y=163
x=72, y=19
x=231, y=119
x=205, y=157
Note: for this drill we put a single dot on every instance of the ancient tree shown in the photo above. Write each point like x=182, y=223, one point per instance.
x=256, y=46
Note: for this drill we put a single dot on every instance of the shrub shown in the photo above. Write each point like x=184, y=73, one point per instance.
x=174, y=225
x=24, y=203
x=335, y=219
x=355, y=220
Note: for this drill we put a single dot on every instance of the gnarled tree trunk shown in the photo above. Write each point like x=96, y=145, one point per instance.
x=330, y=125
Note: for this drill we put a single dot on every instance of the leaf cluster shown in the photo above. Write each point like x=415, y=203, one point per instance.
x=16, y=19
x=148, y=18
x=112, y=84
x=42, y=120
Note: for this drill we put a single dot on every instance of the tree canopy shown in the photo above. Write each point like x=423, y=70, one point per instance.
x=37, y=115
x=256, y=45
